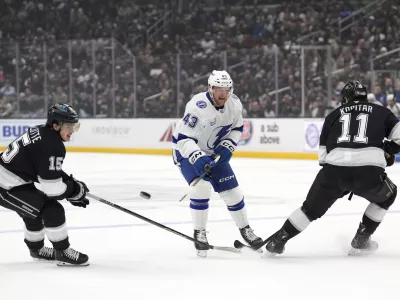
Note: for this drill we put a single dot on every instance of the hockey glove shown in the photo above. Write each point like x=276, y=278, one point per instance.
x=390, y=159
x=200, y=162
x=225, y=150
x=390, y=148
x=78, y=197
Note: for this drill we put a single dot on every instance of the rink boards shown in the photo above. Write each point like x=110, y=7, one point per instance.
x=261, y=138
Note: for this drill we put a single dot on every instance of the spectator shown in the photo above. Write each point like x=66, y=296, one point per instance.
x=59, y=96
x=371, y=98
x=242, y=39
x=7, y=89
x=397, y=92
x=393, y=105
x=6, y=108
x=379, y=96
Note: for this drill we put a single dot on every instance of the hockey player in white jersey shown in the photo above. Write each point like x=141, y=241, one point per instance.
x=212, y=125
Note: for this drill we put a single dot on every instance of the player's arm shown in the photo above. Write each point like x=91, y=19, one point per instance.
x=228, y=145
x=322, y=142
x=55, y=183
x=48, y=165
x=189, y=130
x=237, y=128
x=392, y=145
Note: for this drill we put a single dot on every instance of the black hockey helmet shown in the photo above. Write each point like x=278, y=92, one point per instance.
x=60, y=114
x=353, y=91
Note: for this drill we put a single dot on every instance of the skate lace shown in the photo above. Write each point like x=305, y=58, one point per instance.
x=72, y=254
x=249, y=234
x=202, y=236
x=46, y=251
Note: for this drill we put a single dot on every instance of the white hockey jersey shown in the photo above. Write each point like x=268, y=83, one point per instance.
x=203, y=126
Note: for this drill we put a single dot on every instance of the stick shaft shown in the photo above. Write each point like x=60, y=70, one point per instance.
x=125, y=210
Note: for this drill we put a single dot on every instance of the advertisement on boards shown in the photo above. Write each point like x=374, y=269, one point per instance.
x=312, y=131
x=11, y=129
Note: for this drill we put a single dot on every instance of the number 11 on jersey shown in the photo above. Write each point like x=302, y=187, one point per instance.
x=361, y=136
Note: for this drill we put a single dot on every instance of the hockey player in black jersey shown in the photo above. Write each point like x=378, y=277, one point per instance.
x=37, y=156
x=353, y=159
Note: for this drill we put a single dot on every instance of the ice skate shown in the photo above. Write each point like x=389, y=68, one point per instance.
x=362, y=243
x=201, y=235
x=276, y=244
x=71, y=257
x=43, y=254
x=249, y=236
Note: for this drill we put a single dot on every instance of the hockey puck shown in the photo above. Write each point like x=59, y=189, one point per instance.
x=145, y=195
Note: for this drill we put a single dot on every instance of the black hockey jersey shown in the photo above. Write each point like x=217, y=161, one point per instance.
x=353, y=134
x=35, y=156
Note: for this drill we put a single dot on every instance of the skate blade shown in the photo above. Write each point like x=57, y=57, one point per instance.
x=41, y=260
x=64, y=264
x=364, y=252
x=266, y=254
x=202, y=253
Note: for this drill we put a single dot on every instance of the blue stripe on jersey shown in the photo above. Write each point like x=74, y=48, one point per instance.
x=209, y=98
x=238, y=128
x=183, y=137
x=237, y=207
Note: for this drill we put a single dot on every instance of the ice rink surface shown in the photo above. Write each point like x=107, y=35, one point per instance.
x=131, y=259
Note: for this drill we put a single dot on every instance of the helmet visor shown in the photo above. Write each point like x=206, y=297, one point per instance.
x=72, y=126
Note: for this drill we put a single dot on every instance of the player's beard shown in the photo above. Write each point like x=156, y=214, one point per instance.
x=219, y=102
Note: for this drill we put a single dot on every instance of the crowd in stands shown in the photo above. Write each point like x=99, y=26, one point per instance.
x=98, y=56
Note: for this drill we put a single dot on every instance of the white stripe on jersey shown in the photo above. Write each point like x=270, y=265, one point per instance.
x=9, y=180
x=347, y=157
x=322, y=154
x=53, y=187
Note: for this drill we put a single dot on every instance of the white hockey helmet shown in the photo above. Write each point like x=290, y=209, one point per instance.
x=220, y=79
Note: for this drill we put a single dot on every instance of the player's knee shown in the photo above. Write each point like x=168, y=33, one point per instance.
x=387, y=203
x=202, y=190
x=53, y=214
x=311, y=212
x=233, y=198
x=33, y=224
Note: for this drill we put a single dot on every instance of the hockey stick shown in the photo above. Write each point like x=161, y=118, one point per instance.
x=228, y=249
x=239, y=245
x=207, y=169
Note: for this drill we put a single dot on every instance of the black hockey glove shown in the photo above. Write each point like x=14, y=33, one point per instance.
x=390, y=148
x=78, y=197
x=390, y=159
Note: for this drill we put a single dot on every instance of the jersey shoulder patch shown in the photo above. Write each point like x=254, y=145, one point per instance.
x=201, y=104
